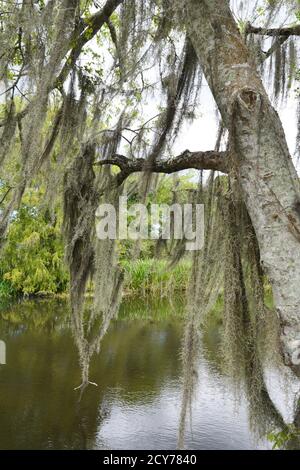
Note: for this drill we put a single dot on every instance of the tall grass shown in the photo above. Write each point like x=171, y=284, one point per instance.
x=6, y=290
x=152, y=276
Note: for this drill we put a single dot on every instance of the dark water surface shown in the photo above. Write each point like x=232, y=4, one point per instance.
x=137, y=402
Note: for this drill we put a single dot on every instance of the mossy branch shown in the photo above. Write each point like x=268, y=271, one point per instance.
x=83, y=35
x=273, y=32
x=209, y=160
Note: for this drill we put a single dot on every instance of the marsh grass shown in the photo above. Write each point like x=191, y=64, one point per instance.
x=152, y=276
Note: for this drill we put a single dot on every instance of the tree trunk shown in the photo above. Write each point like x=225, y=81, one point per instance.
x=262, y=161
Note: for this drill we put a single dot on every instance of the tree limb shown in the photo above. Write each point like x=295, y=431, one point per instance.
x=274, y=32
x=209, y=160
x=277, y=43
x=92, y=26
x=82, y=34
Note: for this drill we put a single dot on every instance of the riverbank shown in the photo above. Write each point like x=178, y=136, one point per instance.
x=148, y=276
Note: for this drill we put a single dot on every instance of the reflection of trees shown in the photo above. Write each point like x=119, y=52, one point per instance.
x=90, y=335
x=138, y=356
x=37, y=400
x=39, y=407
x=47, y=315
x=143, y=358
x=152, y=308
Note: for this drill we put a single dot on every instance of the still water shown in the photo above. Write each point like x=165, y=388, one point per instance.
x=137, y=402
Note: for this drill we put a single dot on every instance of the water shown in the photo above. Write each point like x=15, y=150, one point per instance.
x=136, y=404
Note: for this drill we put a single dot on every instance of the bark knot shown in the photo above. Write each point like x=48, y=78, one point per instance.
x=249, y=98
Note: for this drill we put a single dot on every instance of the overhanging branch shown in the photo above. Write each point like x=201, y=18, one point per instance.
x=273, y=32
x=210, y=160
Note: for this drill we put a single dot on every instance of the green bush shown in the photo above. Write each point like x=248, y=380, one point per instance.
x=32, y=257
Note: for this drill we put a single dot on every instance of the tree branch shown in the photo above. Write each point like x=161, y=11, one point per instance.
x=81, y=36
x=210, y=160
x=92, y=26
x=277, y=43
x=274, y=32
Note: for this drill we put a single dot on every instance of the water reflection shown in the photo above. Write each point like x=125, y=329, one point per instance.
x=136, y=403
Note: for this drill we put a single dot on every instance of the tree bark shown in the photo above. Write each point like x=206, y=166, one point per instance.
x=262, y=161
x=209, y=160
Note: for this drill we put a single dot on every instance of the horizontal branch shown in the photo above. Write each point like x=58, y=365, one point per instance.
x=210, y=160
x=274, y=32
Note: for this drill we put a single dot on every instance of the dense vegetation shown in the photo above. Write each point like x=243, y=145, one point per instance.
x=32, y=258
